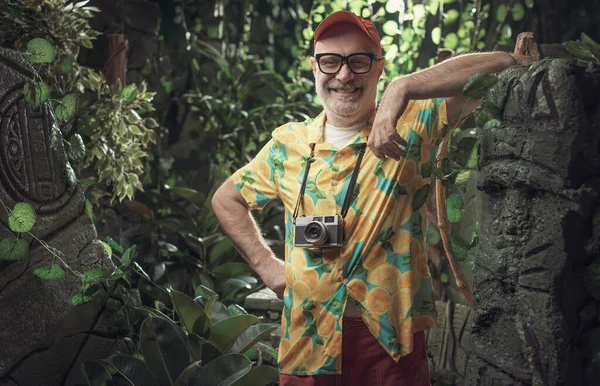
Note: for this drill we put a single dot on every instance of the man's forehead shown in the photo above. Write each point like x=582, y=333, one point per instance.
x=345, y=35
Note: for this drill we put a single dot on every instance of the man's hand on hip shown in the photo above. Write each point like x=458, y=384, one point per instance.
x=384, y=141
x=272, y=273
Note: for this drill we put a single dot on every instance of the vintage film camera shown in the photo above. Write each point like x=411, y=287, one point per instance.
x=323, y=231
x=319, y=231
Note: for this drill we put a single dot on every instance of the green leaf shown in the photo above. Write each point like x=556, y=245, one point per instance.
x=218, y=312
x=451, y=16
x=81, y=298
x=470, y=265
x=65, y=65
x=67, y=107
x=459, y=247
x=107, y=248
x=462, y=177
x=432, y=235
x=436, y=34
x=22, y=218
x=444, y=278
x=192, y=315
x=259, y=376
x=390, y=28
x=234, y=309
x=40, y=51
x=194, y=346
x=224, y=333
x=587, y=40
x=150, y=123
x=77, y=148
x=230, y=270
x=237, y=283
x=491, y=124
x=222, y=249
x=36, y=93
x=114, y=245
x=451, y=41
x=129, y=93
x=126, y=259
x=133, y=369
x=195, y=197
x=223, y=371
x=478, y=85
x=52, y=272
x=252, y=335
x=518, y=12
x=501, y=13
x=94, y=275
x=89, y=210
x=163, y=349
x=184, y=377
x=420, y=197
x=12, y=249
x=209, y=351
x=148, y=311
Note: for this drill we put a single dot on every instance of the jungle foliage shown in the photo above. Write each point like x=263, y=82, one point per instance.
x=149, y=156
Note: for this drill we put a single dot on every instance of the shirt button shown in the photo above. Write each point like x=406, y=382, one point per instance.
x=337, y=317
x=334, y=182
x=345, y=281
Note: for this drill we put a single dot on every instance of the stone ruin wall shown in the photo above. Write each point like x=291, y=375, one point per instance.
x=42, y=336
x=541, y=170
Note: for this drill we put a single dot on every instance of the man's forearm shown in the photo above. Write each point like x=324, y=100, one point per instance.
x=448, y=78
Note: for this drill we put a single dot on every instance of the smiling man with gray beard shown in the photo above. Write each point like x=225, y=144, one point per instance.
x=354, y=279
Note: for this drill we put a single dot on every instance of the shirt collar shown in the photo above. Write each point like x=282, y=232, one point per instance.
x=315, y=130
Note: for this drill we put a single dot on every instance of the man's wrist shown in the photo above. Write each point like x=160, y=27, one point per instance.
x=264, y=262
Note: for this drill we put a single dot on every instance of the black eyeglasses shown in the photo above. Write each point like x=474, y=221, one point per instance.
x=358, y=63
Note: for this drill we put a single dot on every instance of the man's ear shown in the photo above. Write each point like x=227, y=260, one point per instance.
x=381, y=66
x=313, y=63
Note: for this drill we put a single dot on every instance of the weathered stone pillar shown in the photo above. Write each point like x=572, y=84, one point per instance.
x=541, y=170
x=42, y=336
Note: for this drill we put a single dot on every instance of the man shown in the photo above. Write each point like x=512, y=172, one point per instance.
x=355, y=314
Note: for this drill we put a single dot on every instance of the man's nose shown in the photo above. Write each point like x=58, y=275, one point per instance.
x=344, y=74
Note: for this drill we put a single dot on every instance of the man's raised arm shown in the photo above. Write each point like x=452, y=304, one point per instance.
x=444, y=80
x=237, y=222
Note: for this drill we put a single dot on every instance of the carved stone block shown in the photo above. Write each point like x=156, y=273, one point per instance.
x=43, y=336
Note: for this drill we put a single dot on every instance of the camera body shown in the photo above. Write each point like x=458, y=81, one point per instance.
x=319, y=231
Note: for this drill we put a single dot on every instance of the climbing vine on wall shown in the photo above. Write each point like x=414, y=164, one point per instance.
x=102, y=125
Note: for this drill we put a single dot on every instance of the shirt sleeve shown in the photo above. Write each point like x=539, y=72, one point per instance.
x=427, y=117
x=258, y=181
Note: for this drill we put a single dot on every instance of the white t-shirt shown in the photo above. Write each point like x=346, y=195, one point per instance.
x=338, y=136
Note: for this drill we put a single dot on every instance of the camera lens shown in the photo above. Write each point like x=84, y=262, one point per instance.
x=315, y=233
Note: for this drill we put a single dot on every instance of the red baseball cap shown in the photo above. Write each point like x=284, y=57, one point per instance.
x=348, y=17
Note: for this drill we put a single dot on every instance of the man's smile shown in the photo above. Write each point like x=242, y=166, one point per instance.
x=346, y=91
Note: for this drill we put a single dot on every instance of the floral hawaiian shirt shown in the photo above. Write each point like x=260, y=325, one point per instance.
x=382, y=267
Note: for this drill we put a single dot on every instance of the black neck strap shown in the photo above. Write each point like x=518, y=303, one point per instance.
x=349, y=192
x=353, y=181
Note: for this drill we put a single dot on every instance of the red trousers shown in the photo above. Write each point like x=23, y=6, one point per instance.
x=365, y=362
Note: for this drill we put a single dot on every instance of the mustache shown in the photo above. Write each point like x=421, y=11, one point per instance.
x=335, y=84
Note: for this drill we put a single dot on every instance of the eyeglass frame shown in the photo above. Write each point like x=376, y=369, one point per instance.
x=345, y=60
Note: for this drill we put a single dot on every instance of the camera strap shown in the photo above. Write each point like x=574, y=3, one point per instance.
x=349, y=192
x=301, y=194
x=352, y=182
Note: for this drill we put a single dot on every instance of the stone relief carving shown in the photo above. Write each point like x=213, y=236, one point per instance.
x=43, y=336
